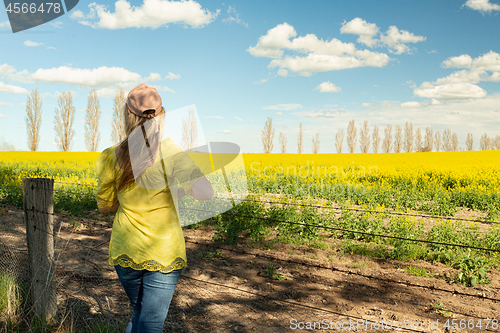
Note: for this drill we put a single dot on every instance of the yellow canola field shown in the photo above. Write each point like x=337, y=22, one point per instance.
x=476, y=170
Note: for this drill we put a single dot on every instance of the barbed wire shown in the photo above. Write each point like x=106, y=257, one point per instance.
x=331, y=268
x=293, y=303
x=289, y=302
x=449, y=218
x=348, y=230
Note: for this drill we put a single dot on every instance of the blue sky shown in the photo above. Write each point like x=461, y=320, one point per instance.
x=319, y=63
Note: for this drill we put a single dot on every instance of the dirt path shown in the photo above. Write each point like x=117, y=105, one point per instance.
x=231, y=289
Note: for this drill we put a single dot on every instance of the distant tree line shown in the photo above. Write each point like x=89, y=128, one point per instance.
x=405, y=139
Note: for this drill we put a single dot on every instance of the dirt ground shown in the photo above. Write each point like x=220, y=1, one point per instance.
x=232, y=289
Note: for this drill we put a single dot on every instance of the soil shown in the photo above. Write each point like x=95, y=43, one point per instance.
x=245, y=288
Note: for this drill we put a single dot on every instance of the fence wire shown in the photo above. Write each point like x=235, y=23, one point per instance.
x=89, y=292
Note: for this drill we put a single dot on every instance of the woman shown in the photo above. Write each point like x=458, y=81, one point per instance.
x=147, y=244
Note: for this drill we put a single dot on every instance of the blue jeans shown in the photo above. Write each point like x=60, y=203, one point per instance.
x=150, y=294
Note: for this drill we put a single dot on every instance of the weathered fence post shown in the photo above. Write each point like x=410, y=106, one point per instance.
x=38, y=208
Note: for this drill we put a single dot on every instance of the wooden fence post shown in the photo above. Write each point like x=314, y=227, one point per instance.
x=38, y=208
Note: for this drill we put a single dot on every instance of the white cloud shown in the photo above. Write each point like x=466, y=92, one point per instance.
x=411, y=104
x=5, y=104
x=463, y=61
x=12, y=89
x=483, y=6
x=282, y=72
x=226, y=131
x=436, y=102
x=320, y=55
x=450, y=91
x=152, y=14
x=368, y=105
x=261, y=81
x=153, y=77
x=284, y=107
x=96, y=77
x=234, y=17
x=4, y=24
x=279, y=113
x=4, y=116
x=216, y=117
x=238, y=118
x=322, y=114
x=165, y=88
x=51, y=48
x=360, y=27
x=463, y=83
x=327, y=87
x=57, y=24
x=31, y=44
x=386, y=104
x=173, y=76
x=396, y=40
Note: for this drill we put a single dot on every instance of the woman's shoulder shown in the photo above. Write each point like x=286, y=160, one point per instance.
x=108, y=155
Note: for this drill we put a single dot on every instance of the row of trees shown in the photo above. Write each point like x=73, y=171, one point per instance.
x=404, y=139
x=64, y=118
x=65, y=115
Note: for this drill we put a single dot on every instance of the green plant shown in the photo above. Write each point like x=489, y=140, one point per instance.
x=417, y=271
x=75, y=224
x=439, y=309
x=271, y=271
x=211, y=255
x=473, y=271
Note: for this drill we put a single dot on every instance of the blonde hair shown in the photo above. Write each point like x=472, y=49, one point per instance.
x=132, y=122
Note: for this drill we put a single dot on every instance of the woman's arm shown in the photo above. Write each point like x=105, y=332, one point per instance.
x=112, y=209
x=202, y=189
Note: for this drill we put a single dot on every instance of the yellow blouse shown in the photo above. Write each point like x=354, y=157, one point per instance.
x=146, y=230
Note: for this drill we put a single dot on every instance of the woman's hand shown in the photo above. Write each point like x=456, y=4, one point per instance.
x=180, y=193
x=202, y=189
x=112, y=209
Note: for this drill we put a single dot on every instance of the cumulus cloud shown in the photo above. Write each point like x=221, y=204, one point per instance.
x=12, y=89
x=360, y=27
x=5, y=104
x=173, y=76
x=320, y=55
x=411, y=104
x=226, y=131
x=31, y=44
x=394, y=39
x=450, y=91
x=483, y=68
x=327, y=87
x=152, y=14
x=463, y=61
x=4, y=116
x=282, y=72
x=484, y=6
x=86, y=77
x=279, y=113
x=5, y=24
x=367, y=105
x=284, y=107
